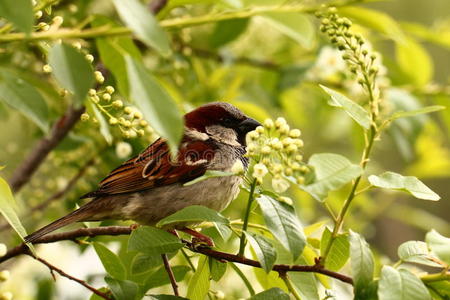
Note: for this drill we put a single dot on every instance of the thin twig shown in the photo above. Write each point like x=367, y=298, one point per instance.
x=126, y=230
x=169, y=271
x=64, y=274
x=31, y=163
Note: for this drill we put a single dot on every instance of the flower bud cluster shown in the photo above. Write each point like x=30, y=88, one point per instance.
x=355, y=51
x=276, y=149
x=4, y=275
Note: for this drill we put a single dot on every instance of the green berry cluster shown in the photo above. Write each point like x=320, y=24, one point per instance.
x=276, y=149
x=355, y=52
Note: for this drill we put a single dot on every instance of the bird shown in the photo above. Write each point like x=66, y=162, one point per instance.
x=151, y=186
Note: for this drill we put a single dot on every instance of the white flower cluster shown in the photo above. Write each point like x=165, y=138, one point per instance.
x=276, y=149
x=4, y=275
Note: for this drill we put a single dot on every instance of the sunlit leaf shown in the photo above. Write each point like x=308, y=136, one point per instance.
x=217, y=268
x=282, y=221
x=111, y=262
x=362, y=264
x=295, y=25
x=401, y=285
x=412, y=113
x=354, y=110
x=439, y=244
x=209, y=174
x=199, y=284
x=21, y=95
x=144, y=24
x=71, y=70
x=332, y=171
x=416, y=252
x=305, y=282
x=227, y=31
x=264, y=250
x=18, y=12
x=414, y=61
x=194, y=213
x=339, y=251
x=152, y=240
x=410, y=184
x=104, y=126
x=155, y=103
x=270, y=294
x=122, y=289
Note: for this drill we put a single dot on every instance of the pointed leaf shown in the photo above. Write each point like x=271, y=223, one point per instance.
x=71, y=70
x=416, y=252
x=143, y=24
x=439, y=244
x=24, y=97
x=282, y=221
x=305, y=282
x=199, y=284
x=264, y=250
x=217, y=268
x=410, y=184
x=143, y=263
x=270, y=294
x=155, y=103
x=194, y=213
x=104, y=125
x=226, y=31
x=122, y=289
x=152, y=240
x=401, y=285
x=354, y=110
x=111, y=262
x=339, y=251
x=412, y=113
x=18, y=12
x=295, y=25
x=362, y=263
x=332, y=172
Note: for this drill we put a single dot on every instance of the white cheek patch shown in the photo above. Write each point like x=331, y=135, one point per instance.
x=223, y=134
x=191, y=162
x=196, y=135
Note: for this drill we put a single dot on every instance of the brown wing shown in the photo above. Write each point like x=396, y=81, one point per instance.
x=154, y=167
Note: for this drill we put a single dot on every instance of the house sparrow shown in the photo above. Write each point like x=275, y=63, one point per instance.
x=150, y=187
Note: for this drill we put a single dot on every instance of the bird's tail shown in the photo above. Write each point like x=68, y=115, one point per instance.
x=78, y=215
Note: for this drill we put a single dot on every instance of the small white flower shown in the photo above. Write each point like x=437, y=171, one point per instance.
x=89, y=57
x=123, y=150
x=286, y=200
x=220, y=295
x=110, y=89
x=287, y=141
x=92, y=92
x=47, y=69
x=279, y=184
x=295, y=133
x=268, y=123
x=4, y=275
x=284, y=129
x=260, y=129
x=280, y=122
x=266, y=150
x=291, y=148
x=259, y=170
x=3, y=249
x=253, y=135
x=238, y=167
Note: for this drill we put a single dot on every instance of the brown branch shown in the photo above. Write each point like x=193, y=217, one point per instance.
x=125, y=230
x=169, y=271
x=31, y=163
x=64, y=274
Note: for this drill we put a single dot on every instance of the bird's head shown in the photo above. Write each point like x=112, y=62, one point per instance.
x=221, y=121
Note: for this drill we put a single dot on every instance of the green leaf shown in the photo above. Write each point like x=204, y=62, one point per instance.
x=332, y=171
x=209, y=174
x=217, y=268
x=295, y=25
x=112, y=52
x=416, y=252
x=339, y=251
x=410, y=184
x=136, y=16
x=439, y=290
x=160, y=277
x=166, y=297
x=282, y=221
x=414, y=61
x=18, y=12
x=193, y=213
x=104, y=125
x=71, y=70
x=361, y=259
x=24, y=97
x=227, y=31
x=7, y=204
x=270, y=294
x=305, y=282
x=152, y=240
x=374, y=19
x=111, y=262
x=264, y=250
x=143, y=263
x=439, y=244
x=122, y=289
x=354, y=110
x=199, y=284
x=400, y=285
x=412, y=113
x=155, y=103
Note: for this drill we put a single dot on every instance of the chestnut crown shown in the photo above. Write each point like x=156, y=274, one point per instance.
x=222, y=114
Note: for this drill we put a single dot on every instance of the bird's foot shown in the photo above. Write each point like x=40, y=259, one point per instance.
x=198, y=238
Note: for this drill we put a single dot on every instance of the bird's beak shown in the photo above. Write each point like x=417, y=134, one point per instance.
x=248, y=125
